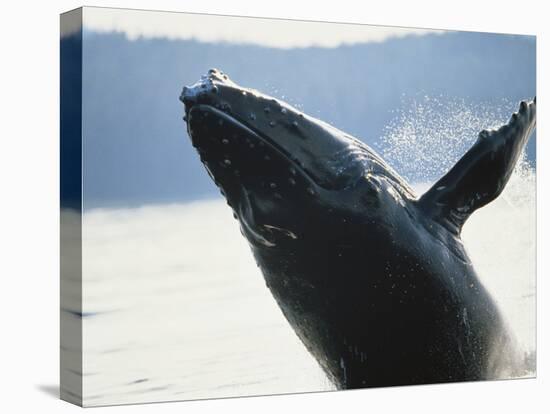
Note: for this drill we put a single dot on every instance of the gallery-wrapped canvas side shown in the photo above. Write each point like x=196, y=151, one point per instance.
x=71, y=207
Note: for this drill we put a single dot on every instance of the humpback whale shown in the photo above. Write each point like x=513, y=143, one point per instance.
x=374, y=280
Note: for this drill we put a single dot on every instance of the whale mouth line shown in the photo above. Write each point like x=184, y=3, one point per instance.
x=270, y=143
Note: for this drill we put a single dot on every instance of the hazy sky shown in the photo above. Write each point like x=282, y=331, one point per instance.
x=209, y=28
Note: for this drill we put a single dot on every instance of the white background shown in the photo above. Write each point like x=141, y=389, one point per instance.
x=29, y=219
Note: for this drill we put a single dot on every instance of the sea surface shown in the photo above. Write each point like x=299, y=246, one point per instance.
x=177, y=309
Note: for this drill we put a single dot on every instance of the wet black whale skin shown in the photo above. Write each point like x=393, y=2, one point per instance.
x=374, y=281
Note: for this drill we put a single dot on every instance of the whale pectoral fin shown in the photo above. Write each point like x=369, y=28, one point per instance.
x=482, y=173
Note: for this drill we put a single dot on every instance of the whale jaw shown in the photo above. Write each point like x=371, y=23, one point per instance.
x=273, y=163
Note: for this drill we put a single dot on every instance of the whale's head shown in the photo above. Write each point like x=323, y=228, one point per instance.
x=283, y=173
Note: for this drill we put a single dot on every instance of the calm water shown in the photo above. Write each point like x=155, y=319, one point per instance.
x=179, y=310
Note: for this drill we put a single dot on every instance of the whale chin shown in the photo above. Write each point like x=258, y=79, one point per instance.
x=240, y=161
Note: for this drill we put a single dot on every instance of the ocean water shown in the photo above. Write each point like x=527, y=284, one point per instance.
x=177, y=309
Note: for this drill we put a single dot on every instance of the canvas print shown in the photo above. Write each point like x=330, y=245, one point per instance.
x=253, y=206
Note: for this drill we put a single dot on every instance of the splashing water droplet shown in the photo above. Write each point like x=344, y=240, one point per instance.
x=425, y=139
x=429, y=134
